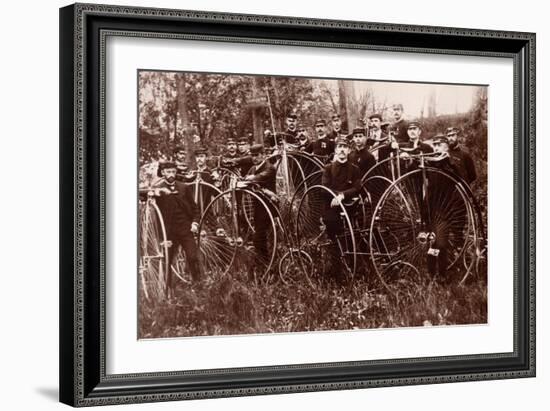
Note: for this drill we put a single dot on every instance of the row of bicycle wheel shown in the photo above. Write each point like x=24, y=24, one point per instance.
x=424, y=220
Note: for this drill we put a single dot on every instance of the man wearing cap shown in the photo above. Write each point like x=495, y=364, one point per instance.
x=202, y=169
x=375, y=128
x=291, y=128
x=322, y=147
x=243, y=147
x=180, y=155
x=231, y=149
x=244, y=162
x=444, y=223
x=361, y=156
x=231, y=156
x=181, y=215
x=289, y=135
x=414, y=144
x=460, y=158
x=262, y=173
x=344, y=178
x=336, y=128
x=400, y=125
x=303, y=139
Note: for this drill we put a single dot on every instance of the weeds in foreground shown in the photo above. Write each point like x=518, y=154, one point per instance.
x=232, y=306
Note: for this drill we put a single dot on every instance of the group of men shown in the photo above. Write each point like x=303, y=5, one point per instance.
x=348, y=157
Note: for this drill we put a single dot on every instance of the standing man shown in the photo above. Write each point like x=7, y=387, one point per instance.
x=180, y=214
x=202, y=194
x=182, y=167
x=303, y=139
x=322, y=147
x=202, y=169
x=375, y=128
x=414, y=144
x=243, y=147
x=460, y=159
x=336, y=128
x=344, y=178
x=231, y=149
x=229, y=159
x=446, y=222
x=244, y=162
x=262, y=173
x=361, y=156
x=400, y=125
x=289, y=135
x=291, y=128
x=180, y=155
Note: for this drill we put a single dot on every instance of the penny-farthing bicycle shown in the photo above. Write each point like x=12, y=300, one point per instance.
x=241, y=234
x=327, y=240
x=293, y=168
x=423, y=224
x=153, y=249
x=203, y=193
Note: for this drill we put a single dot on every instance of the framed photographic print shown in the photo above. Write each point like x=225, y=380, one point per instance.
x=260, y=204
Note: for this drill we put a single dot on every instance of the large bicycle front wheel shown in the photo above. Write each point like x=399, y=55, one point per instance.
x=153, y=247
x=419, y=228
x=219, y=238
x=326, y=234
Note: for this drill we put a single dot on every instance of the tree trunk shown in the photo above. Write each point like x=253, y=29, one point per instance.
x=343, y=103
x=187, y=130
x=256, y=113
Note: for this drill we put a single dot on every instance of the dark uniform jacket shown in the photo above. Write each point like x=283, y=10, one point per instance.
x=244, y=164
x=303, y=145
x=362, y=159
x=275, y=139
x=400, y=128
x=182, y=172
x=206, y=175
x=290, y=136
x=463, y=163
x=344, y=178
x=321, y=147
x=178, y=209
x=264, y=175
x=230, y=157
x=229, y=161
x=384, y=148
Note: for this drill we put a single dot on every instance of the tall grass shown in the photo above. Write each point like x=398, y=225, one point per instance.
x=232, y=306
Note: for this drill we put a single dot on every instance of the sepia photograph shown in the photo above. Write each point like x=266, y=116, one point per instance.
x=277, y=204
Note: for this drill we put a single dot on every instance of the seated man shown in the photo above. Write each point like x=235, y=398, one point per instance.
x=344, y=179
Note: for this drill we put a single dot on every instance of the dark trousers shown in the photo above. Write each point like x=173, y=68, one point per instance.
x=335, y=228
x=189, y=247
x=261, y=230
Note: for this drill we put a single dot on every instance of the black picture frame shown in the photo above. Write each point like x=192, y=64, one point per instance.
x=83, y=29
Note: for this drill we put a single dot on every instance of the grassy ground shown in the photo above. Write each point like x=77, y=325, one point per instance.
x=232, y=306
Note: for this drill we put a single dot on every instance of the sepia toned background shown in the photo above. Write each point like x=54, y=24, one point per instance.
x=193, y=109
